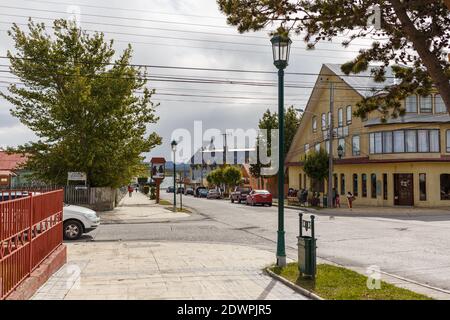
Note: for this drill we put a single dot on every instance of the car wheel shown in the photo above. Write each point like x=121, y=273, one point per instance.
x=72, y=230
x=239, y=201
x=232, y=200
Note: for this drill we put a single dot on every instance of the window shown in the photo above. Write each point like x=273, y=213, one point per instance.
x=299, y=181
x=317, y=147
x=314, y=124
x=306, y=148
x=364, y=185
x=340, y=117
x=448, y=141
x=376, y=143
x=304, y=181
x=445, y=186
x=411, y=104
x=327, y=146
x=411, y=141
x=399, y=141
x=349, y=114
x=385, y=186
x=439, y=106
x=341, y=142
x=342, y=184
x=356, y=151
x=387, y=142
x=373, y=185
x=329, y=119
x=324, y=121
x=426, y=104
x=335, y=181
x=435, y=146
x=423, y=142
x=355, y=184
x=423, y=186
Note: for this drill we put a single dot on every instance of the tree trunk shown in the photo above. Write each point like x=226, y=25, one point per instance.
x=430, y=61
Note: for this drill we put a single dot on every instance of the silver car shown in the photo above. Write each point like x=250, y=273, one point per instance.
x=78, y=220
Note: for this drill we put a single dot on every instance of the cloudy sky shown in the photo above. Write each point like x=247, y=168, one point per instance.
x=179, y=33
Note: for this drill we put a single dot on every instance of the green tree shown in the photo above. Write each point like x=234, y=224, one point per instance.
x=269, y=121
x=413, y=34
x=232, y=176
x=83, y=105
x=216, y=177
x=315, y=165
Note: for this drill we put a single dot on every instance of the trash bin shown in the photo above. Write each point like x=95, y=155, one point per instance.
x=307, y=259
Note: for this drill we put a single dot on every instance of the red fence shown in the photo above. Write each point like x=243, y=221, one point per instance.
x=30, y=230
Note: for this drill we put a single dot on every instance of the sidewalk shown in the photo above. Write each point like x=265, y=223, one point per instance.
x=139, y=208
x=164, y=270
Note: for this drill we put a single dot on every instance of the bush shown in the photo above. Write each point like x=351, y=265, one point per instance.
x=146, y=189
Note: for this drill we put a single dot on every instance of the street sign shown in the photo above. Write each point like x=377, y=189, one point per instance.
x=157, y=173
x=76, y=176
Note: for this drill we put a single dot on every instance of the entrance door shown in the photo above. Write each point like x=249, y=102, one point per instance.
x=403, y=189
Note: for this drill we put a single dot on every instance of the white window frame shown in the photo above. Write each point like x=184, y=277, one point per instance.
x=356, y=151
x=407, y=103
x=349, y=114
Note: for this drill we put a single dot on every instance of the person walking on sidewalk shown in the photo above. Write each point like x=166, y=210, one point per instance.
x=350, y=199
x=130, y=191
x=337, y=200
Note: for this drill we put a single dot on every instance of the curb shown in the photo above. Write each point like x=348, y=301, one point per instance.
x=293, y=286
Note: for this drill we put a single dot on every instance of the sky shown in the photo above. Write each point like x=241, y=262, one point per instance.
x=180, y=33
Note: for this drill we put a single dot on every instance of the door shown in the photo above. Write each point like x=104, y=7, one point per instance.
x=403, y=189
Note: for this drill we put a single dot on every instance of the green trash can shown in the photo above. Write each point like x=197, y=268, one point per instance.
x=307, y=258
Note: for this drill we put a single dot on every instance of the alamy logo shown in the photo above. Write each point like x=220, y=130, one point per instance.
x=374, y=19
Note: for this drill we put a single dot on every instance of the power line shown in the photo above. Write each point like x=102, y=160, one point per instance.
x=117, y=17
x=204, y=69
x=186, y=31
x=123, y=9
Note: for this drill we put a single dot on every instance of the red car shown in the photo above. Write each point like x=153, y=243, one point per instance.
x=262, y=197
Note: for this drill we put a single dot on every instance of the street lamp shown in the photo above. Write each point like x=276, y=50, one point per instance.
x=340, y=151
x=174, y=149
x=281, y=47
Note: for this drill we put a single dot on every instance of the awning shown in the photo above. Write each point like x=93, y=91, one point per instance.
x=7, y=173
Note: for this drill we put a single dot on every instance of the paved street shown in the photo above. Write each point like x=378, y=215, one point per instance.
x=414, y=246
x=233, y=242
x=144, y=251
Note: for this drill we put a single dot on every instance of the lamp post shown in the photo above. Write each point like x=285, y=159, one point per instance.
x=281, y=46
x=174, y=149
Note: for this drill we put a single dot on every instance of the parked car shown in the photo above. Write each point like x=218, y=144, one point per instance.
x=214, y=194
x=202, y=193
x=78, y=220
x=180, y=190
x=259, y=197
x=170, y=189
x=189, y=191
x=197, y=191
x=240, y=194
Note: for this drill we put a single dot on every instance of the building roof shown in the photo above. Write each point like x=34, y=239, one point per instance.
x=363, y=82
x=411, y=118
x=10, y=162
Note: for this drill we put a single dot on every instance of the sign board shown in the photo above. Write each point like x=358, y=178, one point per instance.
x=158, y=168
x=76, y=176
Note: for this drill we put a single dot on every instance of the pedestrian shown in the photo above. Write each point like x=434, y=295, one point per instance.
x=334, y=193
x=350, y=199
x=130, y=191
x=338, y=201
x=136, y=188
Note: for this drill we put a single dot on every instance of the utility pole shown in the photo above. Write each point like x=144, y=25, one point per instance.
x=330, y=151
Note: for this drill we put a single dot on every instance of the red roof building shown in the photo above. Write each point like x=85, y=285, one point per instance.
x=9, y=164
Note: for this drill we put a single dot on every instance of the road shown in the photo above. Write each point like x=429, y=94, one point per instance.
x=417, y=248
